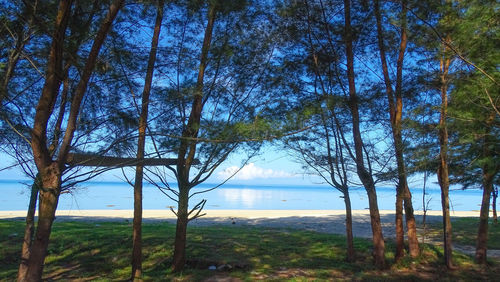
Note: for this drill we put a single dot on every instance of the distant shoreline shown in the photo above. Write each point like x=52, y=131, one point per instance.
x=247, y=214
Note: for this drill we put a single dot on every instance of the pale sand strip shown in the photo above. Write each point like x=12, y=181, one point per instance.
x=244, y=214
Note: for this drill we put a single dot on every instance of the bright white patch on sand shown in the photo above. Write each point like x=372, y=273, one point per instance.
x=251, y=171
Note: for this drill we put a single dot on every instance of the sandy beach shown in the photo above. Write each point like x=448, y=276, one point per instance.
x=327, y=221
x=243, y=214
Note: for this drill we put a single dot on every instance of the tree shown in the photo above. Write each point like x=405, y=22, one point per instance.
x=473, y=107
x=364, y=174
x=322, y=148
x=443, y=171
x=51, y=169
x=212, y=112
x=322, y=151
x=137, y=223
x=187, y=150
x=464, y=78
x=437, y=81
x=395, y=102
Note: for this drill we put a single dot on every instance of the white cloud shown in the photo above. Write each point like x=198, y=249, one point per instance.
x=251, y=171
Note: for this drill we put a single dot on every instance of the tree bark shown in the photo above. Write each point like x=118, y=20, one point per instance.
x=143, y=122
x=179, y=259
x=494, y=194
x=29, y=230
x=400, y=236
x=482, y=233
x=187, y=149
x=49, y=196
x=378, y=238
x=364, y=175
x=442, y=173
x=348, y=228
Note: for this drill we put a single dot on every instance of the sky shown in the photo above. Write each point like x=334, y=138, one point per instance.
x=271, y=167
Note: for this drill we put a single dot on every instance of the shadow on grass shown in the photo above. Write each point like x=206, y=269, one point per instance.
x=102, y=251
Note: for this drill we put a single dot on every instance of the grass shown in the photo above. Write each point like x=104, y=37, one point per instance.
x=464, y=231
x=101, y=252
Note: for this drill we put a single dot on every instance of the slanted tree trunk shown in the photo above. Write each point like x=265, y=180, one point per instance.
x=364, y=175
x=482, y=233
x=143, y=121
x=396, y=111
x=442, y=173
x=378, y=238
x=489, y=171
x=348, y=228
x=29, y=230
x=50, y=170
x=187, y=150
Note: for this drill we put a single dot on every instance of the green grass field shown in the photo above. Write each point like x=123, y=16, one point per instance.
x=101, y=251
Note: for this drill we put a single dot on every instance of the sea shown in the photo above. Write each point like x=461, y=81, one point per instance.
x=119, y=196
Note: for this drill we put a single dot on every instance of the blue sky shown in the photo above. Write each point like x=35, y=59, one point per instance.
x=270, y=168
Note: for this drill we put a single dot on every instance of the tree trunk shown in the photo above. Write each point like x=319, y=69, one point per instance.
x=482, y=233
x=494, y=194
x=137, y=225
x=29, y=230
x=378, y=238
x=411, y=225
x=447, y=234
x=364, y=175
x=442, y=172
x=348, y=228
x=49, y=196
x=400, y=236
x=179, y=259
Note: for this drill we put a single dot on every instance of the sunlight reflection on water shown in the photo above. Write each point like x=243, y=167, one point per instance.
x=111, y=195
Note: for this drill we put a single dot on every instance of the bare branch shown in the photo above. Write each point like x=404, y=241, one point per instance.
x=198, y=208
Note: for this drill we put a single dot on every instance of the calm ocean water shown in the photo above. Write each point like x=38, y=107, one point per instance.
x=115, y=195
